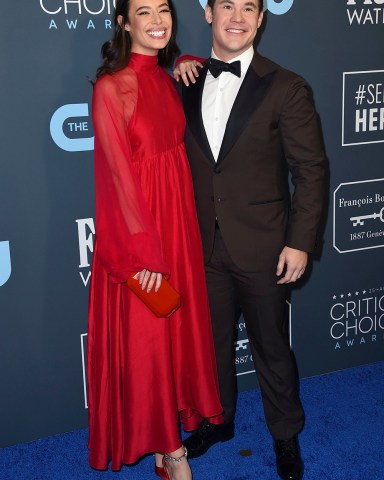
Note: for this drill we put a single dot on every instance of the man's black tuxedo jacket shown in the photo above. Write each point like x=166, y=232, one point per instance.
x=272, y=130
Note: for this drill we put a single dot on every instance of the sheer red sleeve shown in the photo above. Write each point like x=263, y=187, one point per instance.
x=126, y=234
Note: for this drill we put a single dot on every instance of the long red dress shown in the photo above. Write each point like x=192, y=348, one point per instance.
x=144, y=371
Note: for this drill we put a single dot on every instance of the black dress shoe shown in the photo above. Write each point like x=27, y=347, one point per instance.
x=288, y=459
x=206, y=435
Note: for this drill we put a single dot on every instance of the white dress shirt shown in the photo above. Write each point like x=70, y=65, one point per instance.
x=219, y=95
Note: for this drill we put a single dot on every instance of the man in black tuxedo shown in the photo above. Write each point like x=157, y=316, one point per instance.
x=249, y=124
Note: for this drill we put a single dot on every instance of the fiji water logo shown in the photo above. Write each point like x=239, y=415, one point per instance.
x=277, y=7
x=5, y=263
x=71, y=127
x=365, y=12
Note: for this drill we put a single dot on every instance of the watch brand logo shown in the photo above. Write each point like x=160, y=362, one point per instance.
x=5, y=263
x=358, y=216
x=277, y=7
x=69, y=130
x=243, y=356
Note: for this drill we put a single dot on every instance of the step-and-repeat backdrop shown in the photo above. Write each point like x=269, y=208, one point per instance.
x=49, y=50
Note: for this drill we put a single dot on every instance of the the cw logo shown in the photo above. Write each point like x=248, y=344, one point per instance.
x=278, y=7
x=5, y=263
x=66, y=116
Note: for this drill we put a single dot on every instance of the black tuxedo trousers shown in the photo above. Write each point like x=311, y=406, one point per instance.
x=262, y=302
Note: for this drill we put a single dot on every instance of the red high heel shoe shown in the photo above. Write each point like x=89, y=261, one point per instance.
x=161, y=472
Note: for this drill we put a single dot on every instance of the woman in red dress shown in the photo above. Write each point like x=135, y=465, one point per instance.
x=145, y=373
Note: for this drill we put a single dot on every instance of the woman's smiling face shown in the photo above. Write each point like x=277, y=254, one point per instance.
x=149, y=25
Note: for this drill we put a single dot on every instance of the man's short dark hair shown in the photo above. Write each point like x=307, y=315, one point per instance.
x=211, y=3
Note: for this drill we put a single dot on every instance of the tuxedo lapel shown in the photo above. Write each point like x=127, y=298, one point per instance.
x=251, y=93
x=192, y=98
x=257, y=81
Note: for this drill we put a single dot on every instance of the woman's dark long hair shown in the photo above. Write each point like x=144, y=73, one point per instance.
x=117, y=51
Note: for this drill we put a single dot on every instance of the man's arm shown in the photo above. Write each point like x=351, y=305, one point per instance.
x=304, y=153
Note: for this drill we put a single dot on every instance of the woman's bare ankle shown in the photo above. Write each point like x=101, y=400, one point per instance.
x=180, y=452
x=176, y=464
x=159, y=459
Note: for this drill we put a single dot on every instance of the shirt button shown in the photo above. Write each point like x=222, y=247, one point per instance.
x=216, y=118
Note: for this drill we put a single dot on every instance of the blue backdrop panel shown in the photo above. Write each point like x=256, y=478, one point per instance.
x=49, y=49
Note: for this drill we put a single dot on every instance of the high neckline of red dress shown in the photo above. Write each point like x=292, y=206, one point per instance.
x=146, y=63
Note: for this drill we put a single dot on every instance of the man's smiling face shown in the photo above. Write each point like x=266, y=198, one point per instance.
x=234, y=26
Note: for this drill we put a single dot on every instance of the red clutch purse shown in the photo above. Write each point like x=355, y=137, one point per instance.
x=163, y=303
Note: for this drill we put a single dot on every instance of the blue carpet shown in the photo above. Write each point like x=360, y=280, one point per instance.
x=342, y=439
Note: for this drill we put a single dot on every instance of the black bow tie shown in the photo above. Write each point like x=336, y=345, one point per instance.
x=217, y=66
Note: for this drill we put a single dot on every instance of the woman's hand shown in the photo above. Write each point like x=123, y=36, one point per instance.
x=187, y=69
x=147, y=279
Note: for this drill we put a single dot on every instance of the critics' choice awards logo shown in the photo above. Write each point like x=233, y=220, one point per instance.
x=363, y=107
x=69, y=129
x=85, y=232
x=358, y=216
x=5, y=263
x=69, y=14
x=365, y=12
x=357, y=318
x=277, y=7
